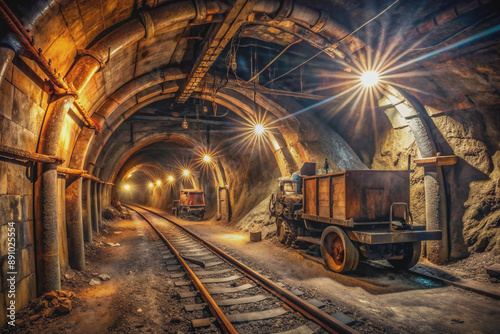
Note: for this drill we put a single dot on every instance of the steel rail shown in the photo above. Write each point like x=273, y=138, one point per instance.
x=313, y=313
x=226, y=325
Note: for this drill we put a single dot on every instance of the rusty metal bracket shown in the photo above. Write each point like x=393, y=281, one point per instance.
x=93, y=54
x=440, y=160
x=148, y=24
x=22, y=155
x=201, y=11
x=323, y=18
x=70, y=171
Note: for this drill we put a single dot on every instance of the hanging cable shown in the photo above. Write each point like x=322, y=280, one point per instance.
x=334, y=44
x=272, y=61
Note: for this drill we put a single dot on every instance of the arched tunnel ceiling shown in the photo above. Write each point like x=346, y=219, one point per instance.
x=168, y=39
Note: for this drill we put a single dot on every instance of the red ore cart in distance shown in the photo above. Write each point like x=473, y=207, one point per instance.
x=190, y=204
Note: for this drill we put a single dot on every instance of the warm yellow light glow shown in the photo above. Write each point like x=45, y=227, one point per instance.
x=130, y=175
x=170, y=178
x=207, y=158
x=185, y=172
x=127, y=187
x=158, y=182
x=151, y=185
x=369, y=78
x=259, y=129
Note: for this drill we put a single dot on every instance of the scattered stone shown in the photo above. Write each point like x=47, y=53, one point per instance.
x=54, y=302
x=112, y=244
x=94, y=282
x=139, y=310
x=64, y=307
x=104, y=277
x=176, y=319
x=118, y=232
x=457, y=321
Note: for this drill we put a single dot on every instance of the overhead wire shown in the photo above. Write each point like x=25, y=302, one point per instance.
x=334, y=44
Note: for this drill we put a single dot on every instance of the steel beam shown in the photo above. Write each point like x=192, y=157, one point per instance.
x=215, y=43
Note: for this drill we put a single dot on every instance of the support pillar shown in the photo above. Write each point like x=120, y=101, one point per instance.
x=48, y=271
x=435, y=213
x=47, y=250
x=94, y=208
x=99, y=205
x=74, y=224
x=86, y=210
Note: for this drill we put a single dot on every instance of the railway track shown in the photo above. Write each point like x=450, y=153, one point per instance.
x=468, y=285
x=238, y=297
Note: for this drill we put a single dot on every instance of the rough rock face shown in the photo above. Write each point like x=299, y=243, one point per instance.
x=482, y=214
x=259, y=220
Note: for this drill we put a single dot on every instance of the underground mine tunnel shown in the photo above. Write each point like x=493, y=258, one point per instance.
x=251, y=166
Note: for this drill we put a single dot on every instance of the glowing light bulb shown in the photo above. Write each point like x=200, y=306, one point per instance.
x=127, y=187
x=130, y=175
x=259, y=129
x=151, y=185
x=170, y=178
x=207, y=158
x=185, y=172
x=158, y=183
x=369, y=78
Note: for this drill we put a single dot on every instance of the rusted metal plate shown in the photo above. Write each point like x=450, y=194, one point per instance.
x=376, y=238
x=445, y=160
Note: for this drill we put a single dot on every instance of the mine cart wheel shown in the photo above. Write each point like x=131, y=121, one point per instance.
x=337, y=250
x=184, y=213
x=411, y=255
x=201, y=215
x=272, y=204
x=282, y=230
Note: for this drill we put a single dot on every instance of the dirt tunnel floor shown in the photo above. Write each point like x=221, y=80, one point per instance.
x=139, y=297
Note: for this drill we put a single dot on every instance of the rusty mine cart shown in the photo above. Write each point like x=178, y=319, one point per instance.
x=350, y=215
x=190, y=204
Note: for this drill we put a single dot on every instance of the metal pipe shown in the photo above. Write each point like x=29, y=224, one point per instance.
x=26, y=42
x=317, y=21
x=6, y=56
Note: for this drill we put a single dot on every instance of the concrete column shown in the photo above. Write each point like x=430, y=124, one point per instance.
x=74, y=224
x=99, y=204
x=47, y=245
x=435, y=213
x=94, y=208
x=86, y=207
